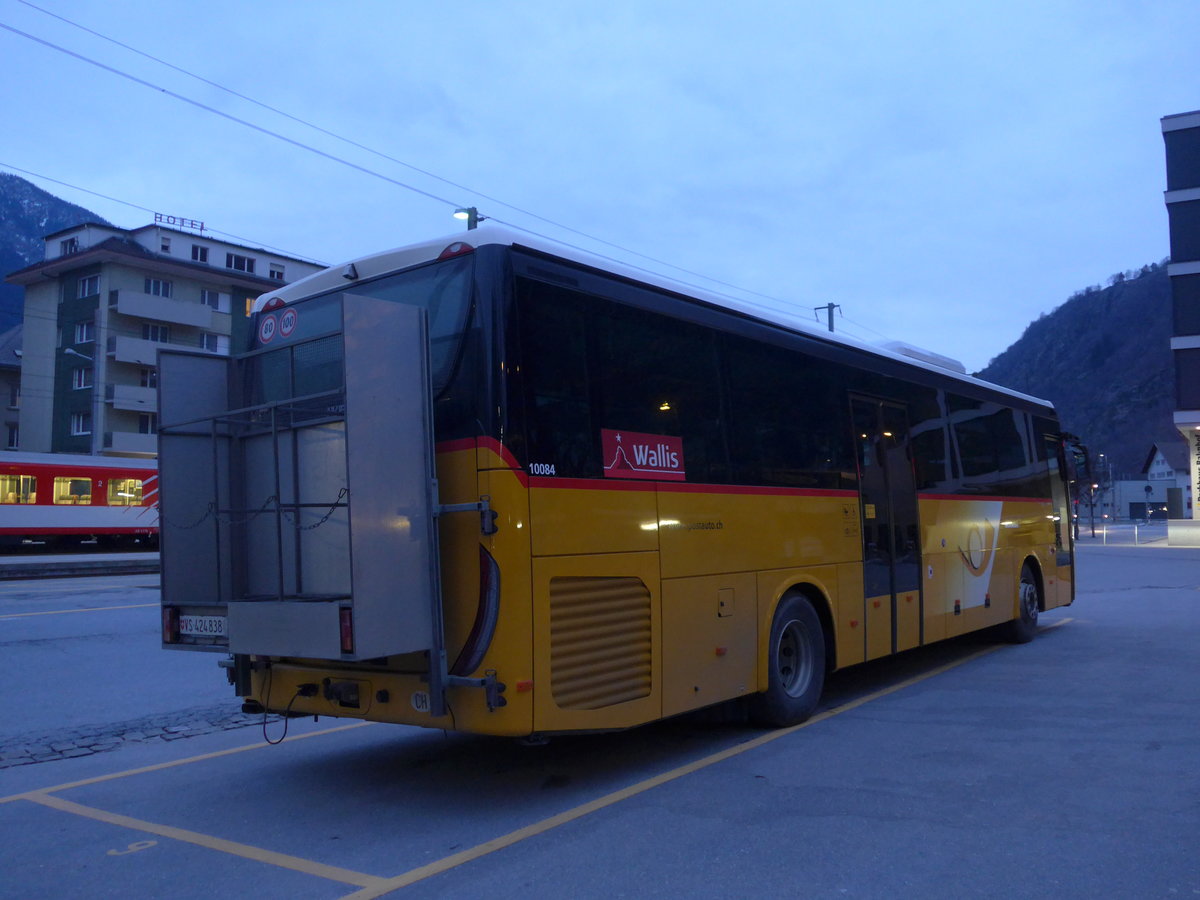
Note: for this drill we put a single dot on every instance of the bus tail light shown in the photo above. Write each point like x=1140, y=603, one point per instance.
x=346, y=624
x=486, y=616
x=170, y=625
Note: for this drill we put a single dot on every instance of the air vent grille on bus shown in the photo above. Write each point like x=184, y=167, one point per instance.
x=600, y=650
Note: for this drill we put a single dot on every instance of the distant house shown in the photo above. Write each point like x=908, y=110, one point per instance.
x=1166, y=468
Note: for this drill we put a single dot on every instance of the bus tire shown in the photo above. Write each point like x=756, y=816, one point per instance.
x=1022, y=629
x=795, y=665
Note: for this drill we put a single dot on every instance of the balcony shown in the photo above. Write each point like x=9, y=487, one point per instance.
x=134, y=350
x=128, y=396
x=131, y=442
x=121, y=348
x=166, y=309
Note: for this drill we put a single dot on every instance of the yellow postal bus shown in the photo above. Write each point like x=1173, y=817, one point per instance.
x=497, y=486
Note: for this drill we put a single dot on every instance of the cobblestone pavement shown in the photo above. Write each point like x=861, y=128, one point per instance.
x=39, y=747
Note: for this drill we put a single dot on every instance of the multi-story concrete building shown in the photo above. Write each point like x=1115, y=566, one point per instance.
x=10, y=386
x=1181, y=134
x=101, y=304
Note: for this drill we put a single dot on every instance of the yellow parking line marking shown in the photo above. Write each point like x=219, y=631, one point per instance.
x=59, y=612
x=177, y=762
x=514, y=837
x=258, y=854
x=373, y=886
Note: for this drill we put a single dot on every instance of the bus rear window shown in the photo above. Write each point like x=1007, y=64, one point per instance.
x=309, y=354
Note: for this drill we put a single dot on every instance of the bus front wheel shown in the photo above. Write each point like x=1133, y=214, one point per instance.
x=795, y=663
x=1022, y=629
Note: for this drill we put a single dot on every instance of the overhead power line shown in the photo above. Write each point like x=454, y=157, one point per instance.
x=232, y=118
x=75, y=187
x=353, y=143
x=779, y=304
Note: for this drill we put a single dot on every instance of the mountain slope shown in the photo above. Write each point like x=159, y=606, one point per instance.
x=27, y=214
x=1104, y=359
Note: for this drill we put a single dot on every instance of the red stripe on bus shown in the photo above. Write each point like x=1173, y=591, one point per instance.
x=63, y=529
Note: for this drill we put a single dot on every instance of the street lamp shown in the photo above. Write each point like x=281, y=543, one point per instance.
x=470, y=215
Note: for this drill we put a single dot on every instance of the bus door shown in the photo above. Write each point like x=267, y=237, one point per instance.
x=890, y=530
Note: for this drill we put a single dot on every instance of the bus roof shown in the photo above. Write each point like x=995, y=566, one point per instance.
x=379, y=264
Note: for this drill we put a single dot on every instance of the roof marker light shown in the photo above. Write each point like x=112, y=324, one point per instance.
x=458, y=248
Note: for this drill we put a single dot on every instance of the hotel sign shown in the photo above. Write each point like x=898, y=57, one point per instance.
x=178, y=222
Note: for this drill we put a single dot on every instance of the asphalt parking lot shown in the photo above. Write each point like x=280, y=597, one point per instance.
x=1064, y=767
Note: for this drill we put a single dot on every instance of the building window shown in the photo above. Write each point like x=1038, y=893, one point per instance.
x=239, y=263
x=81, y=423
x=14, y=395
x=13, y=435
x=148, y=423
x=89, y=286
x=214, y=343
x=158, y=287
x=69, y=246
x=211, y=298
x=73, y=490
x=85, y=332
x=276, y=271
x=81, y=377
x=158, y=333
x=148, y=377
x=199, y=254
x=166, y=244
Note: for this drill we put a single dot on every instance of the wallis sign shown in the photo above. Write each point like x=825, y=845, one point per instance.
x=630, y=454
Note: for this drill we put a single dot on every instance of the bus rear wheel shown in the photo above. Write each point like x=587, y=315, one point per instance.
x=795, y=664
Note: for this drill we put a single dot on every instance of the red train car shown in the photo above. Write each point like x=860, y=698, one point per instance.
x=60, y=499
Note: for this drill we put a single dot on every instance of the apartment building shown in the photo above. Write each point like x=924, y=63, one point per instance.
x=101, y=304
x=1181, y=136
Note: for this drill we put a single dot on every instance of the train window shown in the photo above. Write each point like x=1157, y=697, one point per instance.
x=18, y=489
x=124, y=492
x=70, y=490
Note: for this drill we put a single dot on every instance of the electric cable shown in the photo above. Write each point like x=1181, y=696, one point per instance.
x=248, y=241
x=353, y=165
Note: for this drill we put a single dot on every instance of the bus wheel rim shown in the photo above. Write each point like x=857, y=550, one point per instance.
x=794, y=665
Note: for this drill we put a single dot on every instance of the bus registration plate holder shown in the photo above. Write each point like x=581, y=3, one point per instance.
x=202, y=626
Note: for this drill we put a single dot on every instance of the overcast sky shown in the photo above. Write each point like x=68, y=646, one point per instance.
x=945, y=171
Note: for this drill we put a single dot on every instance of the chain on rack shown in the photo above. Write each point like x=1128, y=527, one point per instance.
x=333, y=507
x=270, y=503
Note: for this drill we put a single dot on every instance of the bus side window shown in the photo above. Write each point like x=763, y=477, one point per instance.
x=790, y=425
x=554, y=361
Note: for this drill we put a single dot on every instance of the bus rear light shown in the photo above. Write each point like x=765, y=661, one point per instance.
x=458, y=248
x=346, y=623
x=170, y=625
x=486, y=617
